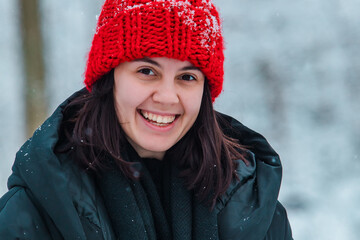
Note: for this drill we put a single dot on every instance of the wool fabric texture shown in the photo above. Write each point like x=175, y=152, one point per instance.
x=137, y=213
x=188, y=30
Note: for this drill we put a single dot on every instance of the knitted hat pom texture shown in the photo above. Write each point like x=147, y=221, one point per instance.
x=187, y=30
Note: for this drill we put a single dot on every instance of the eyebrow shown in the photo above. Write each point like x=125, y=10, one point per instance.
x=190, y=68
x=149, y=60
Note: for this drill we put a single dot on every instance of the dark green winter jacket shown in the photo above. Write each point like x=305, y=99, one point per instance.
x=49, y=197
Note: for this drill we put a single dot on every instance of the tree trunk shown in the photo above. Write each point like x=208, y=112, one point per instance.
x=36, y=106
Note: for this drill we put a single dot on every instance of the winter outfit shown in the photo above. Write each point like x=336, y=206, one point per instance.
x=50, y=197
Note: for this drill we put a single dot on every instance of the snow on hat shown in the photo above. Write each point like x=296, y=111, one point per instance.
x=188, y=30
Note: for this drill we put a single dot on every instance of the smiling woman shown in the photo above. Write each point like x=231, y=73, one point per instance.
x=141, y=153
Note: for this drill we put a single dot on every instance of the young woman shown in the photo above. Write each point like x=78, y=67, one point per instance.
x=140, y=153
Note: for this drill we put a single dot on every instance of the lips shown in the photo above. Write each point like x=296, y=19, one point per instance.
x=158, y=120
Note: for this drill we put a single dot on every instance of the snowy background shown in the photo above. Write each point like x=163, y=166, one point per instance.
x=292, y=74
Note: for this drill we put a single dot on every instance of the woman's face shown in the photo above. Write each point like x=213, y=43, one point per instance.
x=157, y=101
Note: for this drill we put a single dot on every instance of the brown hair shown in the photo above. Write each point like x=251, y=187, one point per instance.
x=205, y=155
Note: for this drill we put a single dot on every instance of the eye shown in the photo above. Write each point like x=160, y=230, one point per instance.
x=187, y=77
x=146, y=71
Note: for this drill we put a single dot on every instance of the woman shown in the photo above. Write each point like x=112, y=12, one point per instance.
x=140, y=153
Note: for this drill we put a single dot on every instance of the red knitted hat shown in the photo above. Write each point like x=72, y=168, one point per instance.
x=181, y=29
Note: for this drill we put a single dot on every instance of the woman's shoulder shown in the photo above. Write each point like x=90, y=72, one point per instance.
x=280, y=226
x=249, y=208
x=19, y=218
x=253, y=223
x=41, y=181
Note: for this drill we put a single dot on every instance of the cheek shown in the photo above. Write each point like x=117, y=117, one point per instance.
x=128, y=97
x=120, y=108
x=193, y=103
x=125, y=103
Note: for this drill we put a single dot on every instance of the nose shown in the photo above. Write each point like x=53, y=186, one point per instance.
x=166, y=92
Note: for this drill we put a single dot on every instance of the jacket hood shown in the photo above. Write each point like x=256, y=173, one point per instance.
x=253, y=199
x=41, y=173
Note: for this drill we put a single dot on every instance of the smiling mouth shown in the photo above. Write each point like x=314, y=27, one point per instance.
x=158, y=120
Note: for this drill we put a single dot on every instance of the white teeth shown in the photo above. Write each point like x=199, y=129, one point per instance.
x=151, y=116
x=158, y=118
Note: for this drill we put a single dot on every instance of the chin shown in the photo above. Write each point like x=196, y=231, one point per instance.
x=157, y=148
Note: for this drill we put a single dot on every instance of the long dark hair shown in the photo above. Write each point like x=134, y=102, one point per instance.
x=205, y=155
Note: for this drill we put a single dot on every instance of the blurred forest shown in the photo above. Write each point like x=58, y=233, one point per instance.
x=292, y=73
